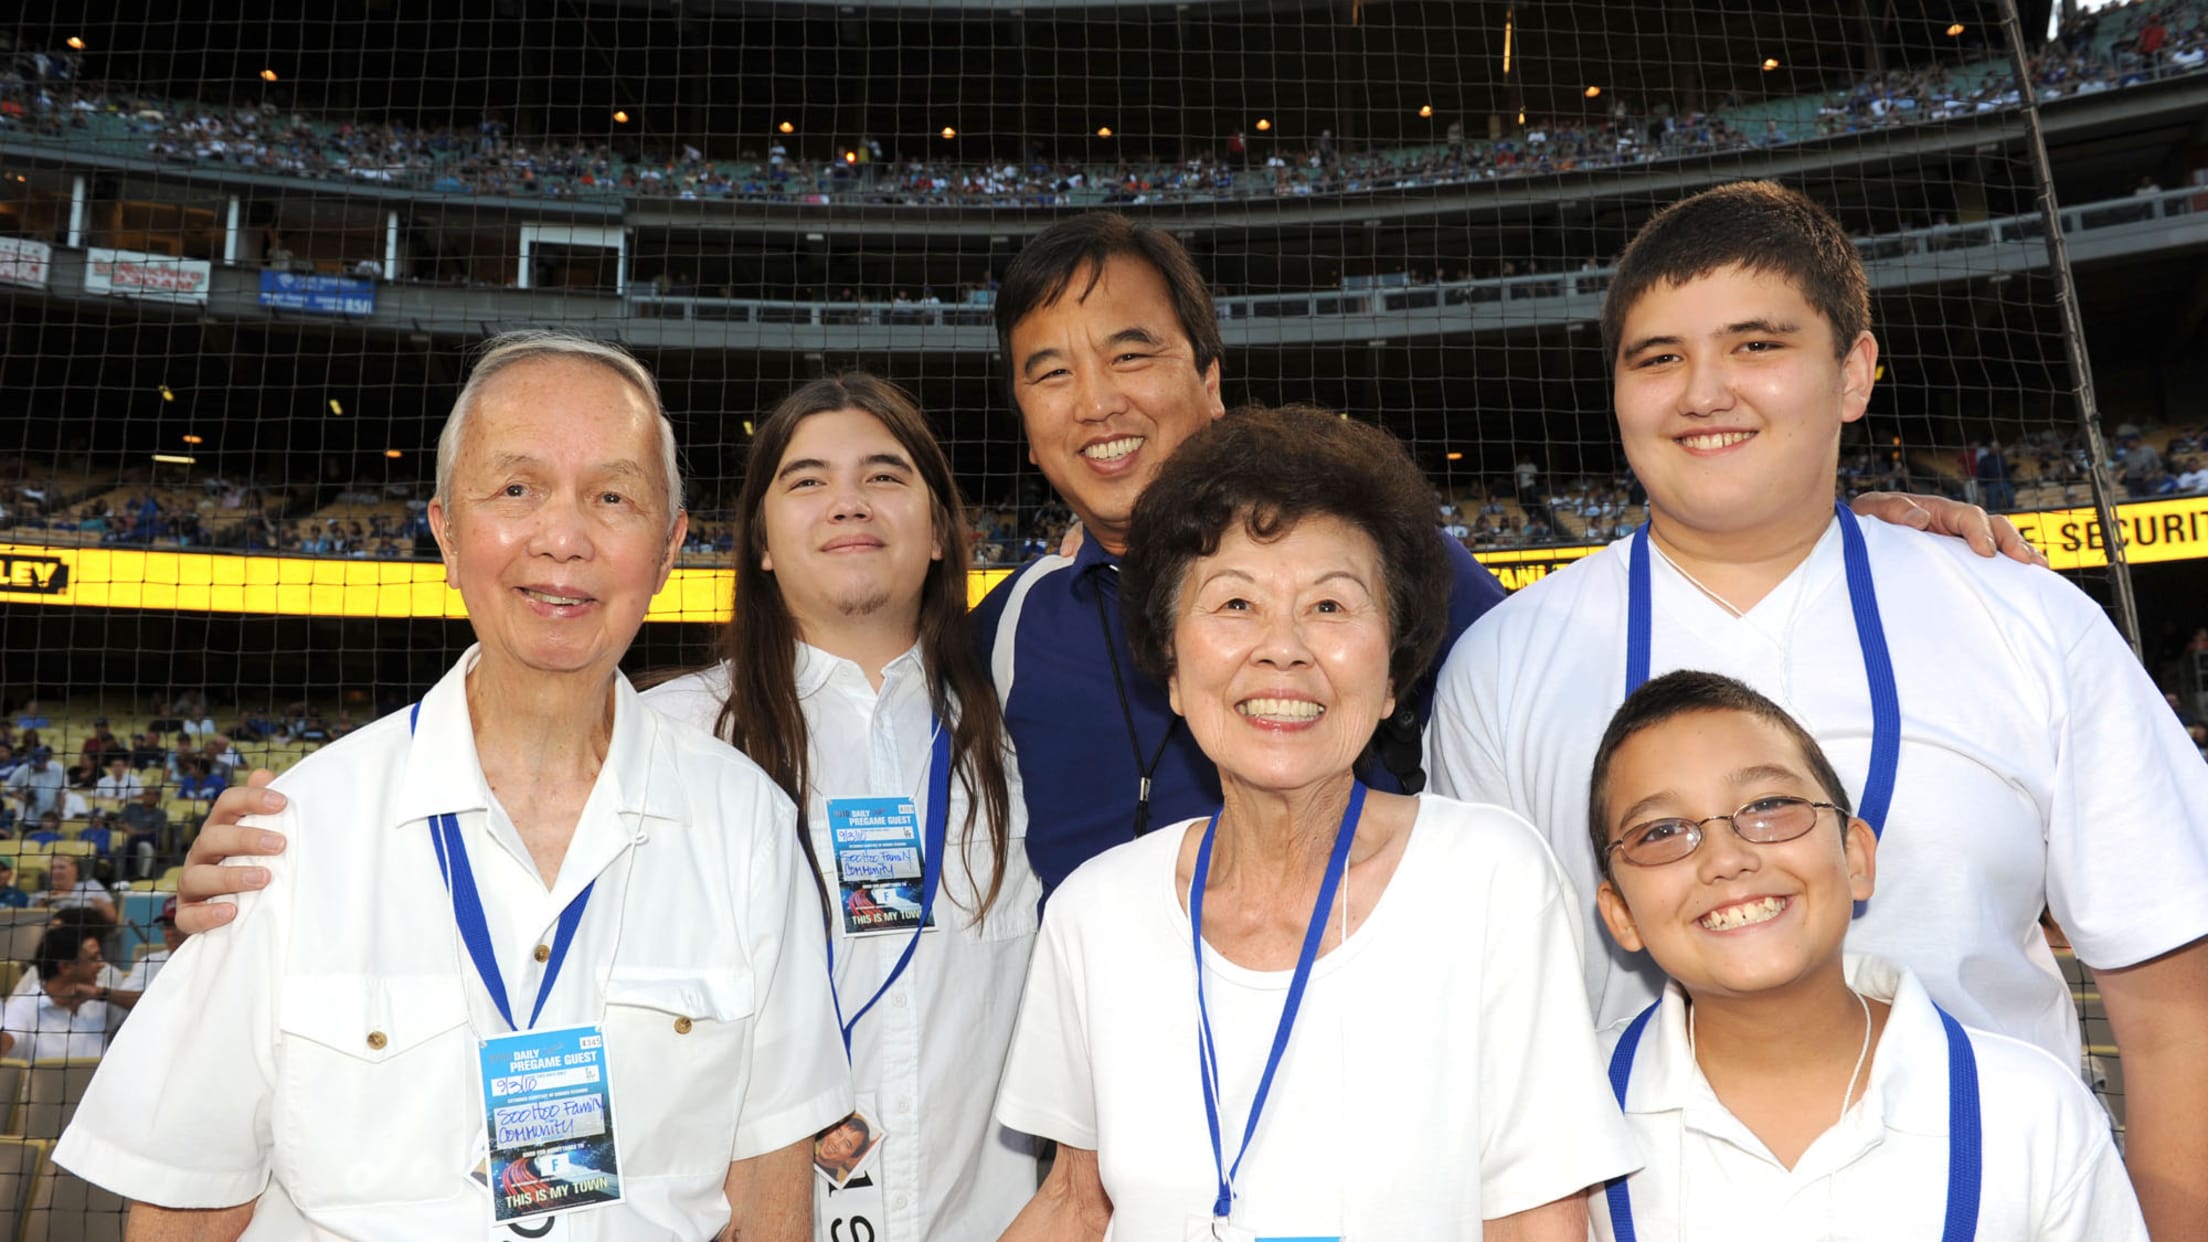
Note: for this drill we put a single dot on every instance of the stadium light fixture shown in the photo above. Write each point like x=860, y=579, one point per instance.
x=1263, y=125
x=336, y=409
x=175, y=459
x=1955, y=31
x=1454, y=455
x=786, y=128
x=620, y=117
x=747, y=427
x=166, y=395
x=850, y=157
x=76, y=43
x=189, y=438
x=1103, y=131
x=1593, y=91
x=1510, y=33
x=393, y=454
x=1770, y=63
x=949, y=133
x=1426, y=110
x=268, y=75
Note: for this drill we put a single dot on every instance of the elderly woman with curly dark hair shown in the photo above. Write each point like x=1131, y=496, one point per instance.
x=1379, y=995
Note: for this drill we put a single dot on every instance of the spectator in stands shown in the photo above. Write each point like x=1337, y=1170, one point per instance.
x=98, y=745
x=1283, y=572
x=68, y=1016
x=39, y=784
x=146, y=750
x=67, y=888
x=11, y=897
x=203, y=782
x=8, y=762
x=143, y=972
x=118, y=782
x=559, y=513
x=222, y=755
x=2140, y=462
x=146, y=830
x=1738, y=333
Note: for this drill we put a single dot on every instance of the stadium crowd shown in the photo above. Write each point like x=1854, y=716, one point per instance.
x=42, y=97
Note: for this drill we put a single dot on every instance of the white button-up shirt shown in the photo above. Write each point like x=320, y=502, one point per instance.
x=327, y=1039
x=2049, y=1171
x=926, y=1059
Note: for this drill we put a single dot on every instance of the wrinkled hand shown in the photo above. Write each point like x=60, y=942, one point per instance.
x=1988, y=534
x=204, y=877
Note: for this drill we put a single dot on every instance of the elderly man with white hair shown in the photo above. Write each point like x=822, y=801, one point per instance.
x=545, y=964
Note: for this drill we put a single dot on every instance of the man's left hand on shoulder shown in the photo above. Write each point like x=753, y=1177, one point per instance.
x=1988, y=534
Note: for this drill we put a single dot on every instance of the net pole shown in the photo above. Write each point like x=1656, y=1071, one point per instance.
x=2124, y=602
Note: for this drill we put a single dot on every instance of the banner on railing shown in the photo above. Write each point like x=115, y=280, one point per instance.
x=25, y=262
x=317, y=295
x=153, y=277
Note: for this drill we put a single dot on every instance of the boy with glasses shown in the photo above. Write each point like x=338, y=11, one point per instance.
x=1778, y=1086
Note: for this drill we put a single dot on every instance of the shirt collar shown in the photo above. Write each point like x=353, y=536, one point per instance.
x=817, y=668
x=1091, y=555
x=444, y=775
x=1908, y=1077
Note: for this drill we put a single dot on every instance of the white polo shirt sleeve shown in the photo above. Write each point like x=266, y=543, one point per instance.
x=1551, y=1125
x=1049, y=1088
x=799, y=1083
x=179, y=1113
x=2127, y=834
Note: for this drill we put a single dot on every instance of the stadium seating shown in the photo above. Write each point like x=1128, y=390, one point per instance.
x=26, y=1186
x=52, y=1090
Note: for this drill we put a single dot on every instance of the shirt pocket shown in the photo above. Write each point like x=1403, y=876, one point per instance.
x=678, y=1041
x=378, y=1095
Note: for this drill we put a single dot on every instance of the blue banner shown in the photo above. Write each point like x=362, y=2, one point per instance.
x=317, y=295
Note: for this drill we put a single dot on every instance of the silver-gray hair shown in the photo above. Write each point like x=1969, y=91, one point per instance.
x=509, y=348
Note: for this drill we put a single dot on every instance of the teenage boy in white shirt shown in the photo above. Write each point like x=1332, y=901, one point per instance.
x=1990, y=719
x=1731, y=856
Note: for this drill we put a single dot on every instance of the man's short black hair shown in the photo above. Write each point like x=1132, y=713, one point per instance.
x=59, y=948
x=1047, y=267
x=1685, y=693
x=1758, y=225
x=1265, y=470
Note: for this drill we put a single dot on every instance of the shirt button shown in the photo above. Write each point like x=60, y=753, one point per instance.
x=900, y=1203
x=544, y=953
x=682, y=1026
x=897, y=1001
x=376, y=1040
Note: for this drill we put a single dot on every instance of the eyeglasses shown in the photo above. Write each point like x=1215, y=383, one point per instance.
x=1766, y=821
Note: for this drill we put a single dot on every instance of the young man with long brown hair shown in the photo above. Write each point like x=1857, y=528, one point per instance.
x=848, y=672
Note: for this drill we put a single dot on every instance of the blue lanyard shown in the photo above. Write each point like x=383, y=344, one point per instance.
x=475, y=931
x=931, y=873
x=1207, y=1060
x=1965, y=1149
x=1878, y=663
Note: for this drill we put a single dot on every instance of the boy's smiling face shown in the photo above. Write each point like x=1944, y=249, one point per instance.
x=1730, y=398
x=1734, y=918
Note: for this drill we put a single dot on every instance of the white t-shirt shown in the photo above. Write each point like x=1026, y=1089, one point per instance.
x=112, y=786
x=2049, y=1171
x=926, y=1059
x=1441, y=1071
x=110, y=978
x=44, y=1030
x=83, y=896
x=326, y=1040
x=143, y=972
x=2039, y=765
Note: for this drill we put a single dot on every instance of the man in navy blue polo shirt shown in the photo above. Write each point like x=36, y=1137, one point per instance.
x=1114, y=350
